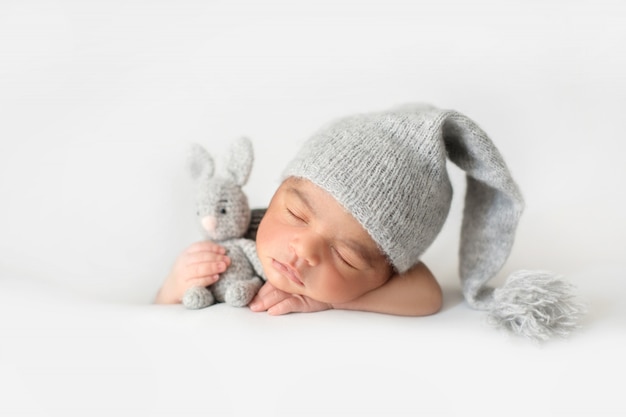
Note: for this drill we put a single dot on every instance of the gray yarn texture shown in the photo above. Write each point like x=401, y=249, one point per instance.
x=221, y=197
x=389, y=170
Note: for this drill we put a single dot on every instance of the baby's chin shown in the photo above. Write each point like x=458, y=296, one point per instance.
x=284, y=285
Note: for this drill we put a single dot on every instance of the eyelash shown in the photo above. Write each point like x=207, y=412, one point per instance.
x=342, y=258
x=294, y=215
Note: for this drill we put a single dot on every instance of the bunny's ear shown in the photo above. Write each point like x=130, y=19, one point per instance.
x=240, y=159
x=200, y=162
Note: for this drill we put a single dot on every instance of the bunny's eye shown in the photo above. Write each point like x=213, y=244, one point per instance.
x=221, y=206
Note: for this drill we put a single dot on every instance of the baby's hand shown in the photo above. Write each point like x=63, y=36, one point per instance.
x=278, y=302
x=198, y=266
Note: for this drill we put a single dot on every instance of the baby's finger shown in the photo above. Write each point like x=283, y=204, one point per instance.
x=204, y=269
x=267, y=297
x=292, y=304
x=206, y=245
x=203, y=281
x=265, y=289
x=206, y=256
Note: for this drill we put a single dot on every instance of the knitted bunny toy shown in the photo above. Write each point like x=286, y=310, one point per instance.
x=224, y=215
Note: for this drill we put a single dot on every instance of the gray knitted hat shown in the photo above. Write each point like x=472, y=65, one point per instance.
x=388, y=169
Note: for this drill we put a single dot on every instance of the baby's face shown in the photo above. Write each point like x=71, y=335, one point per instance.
x=309, y=245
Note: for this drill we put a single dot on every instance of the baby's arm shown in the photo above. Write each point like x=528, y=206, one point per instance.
x=414, y=293
x=199, y=265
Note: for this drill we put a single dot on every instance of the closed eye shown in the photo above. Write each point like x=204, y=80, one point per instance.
x=294, y=216
x=343, y=258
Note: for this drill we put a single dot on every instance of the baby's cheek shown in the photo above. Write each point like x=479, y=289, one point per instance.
x=328, y=286
x=265, y=234
x=261, y=244
x=271, y=240
x=265, y=253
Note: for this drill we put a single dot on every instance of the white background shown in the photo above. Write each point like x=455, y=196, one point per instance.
x=99, y=101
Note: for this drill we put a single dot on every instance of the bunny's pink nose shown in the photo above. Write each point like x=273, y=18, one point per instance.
x=209, y=223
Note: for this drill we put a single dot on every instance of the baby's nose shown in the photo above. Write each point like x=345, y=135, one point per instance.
x=307, y=248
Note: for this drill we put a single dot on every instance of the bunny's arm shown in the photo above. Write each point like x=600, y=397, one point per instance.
x=249, y=248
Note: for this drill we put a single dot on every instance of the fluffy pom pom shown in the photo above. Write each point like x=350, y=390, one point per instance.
x=537, y=305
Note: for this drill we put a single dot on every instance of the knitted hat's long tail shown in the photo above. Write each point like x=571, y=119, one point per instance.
x=534, y=304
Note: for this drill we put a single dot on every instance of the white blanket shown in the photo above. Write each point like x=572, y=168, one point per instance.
x=98, y=103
